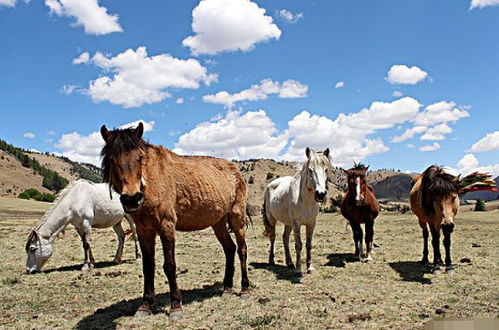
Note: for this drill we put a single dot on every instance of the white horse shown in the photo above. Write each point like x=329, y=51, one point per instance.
x=293, y=200
x=85, y=205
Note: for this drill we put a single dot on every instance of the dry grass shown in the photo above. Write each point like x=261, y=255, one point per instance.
x=393, y=292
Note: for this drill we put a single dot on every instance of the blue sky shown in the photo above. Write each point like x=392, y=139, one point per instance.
x=250, y=79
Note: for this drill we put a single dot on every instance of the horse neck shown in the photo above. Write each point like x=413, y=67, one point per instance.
x=56, y=218
x=306, y=195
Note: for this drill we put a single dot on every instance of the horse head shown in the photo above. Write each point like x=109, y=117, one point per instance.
x=122, y=164
x=356, y=181
x=317, y=166
x=39, y=250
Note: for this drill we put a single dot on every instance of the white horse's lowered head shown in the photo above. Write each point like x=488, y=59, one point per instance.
x=85, y=205
x=294, y=201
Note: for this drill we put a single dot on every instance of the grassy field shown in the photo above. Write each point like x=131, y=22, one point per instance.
x=392, y=292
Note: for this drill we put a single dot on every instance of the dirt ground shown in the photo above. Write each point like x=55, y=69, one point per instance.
x=392, y=292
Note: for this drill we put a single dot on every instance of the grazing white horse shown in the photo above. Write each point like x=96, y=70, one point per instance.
x=293, y=200
x=85, y=205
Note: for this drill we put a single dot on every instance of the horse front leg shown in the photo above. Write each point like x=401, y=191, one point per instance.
x=309, y=233
x=298, y=247
x=285, y=239
x=447, y=231
x=121, y=242
x=147, y=240
x=357, y=238
x=369, y=240
x=435, y=242
x=424, y=227
x=223, y=236
x=168, y=241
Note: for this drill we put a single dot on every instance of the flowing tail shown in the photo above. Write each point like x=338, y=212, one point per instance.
x=477, y=181
x=269, y=229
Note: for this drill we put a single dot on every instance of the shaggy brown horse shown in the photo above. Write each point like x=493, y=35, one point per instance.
x=165, y=192
x=359, y=205
x=435, y=201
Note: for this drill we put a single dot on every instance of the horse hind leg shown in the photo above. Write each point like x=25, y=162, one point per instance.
x=424, y=227
x=135, y=237
x=84, y=232
x=369, y=240
x=223, y=236
x=237, y=218
x=298, y=247
x=121, y=242
x=269, y=222
x=285, y=239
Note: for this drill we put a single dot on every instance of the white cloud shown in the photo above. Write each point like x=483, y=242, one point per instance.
x=483, y=3
x=255, y=135
x=83, y=58
x=430, y=147
x=87, y=148
x=229, y=25
x=51, y=132
x=440, y=112
x=397, y=93
x=436, y=133
x=179, y=100
x=138, y=79
x=70, y=89
x=469, y=164
x=410, y=145
x=402, y=74
x=339, y=84
x=94, y=18
x=8, y=3
x=288, y=89
x=409, y=133
x=488, y=143
x=289, y=16
x=235, y=136
x=29, y=135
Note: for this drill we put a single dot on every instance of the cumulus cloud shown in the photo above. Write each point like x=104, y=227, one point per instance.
x=83, y=58
x=469, y=164
x=488, y=143
x=87, y=13
x=436, y=133
x=29, y=135
x=86, y=148
x=134, y=78
x=397, y=93
x=409, y=133
x=483, y=3
x=255, y=135
x=287, y=89
x=402, y=74
x=339, y=84
x=235, y=136
x=289, y=16
x=229, y=25
x=8, y=3
x=179, y=100
x=70, y=89
x=430, y=147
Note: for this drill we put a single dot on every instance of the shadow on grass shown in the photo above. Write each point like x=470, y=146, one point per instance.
x=282, y=272
x=411, y=271
x=97, y=265
x=104, y=318
x=340, y=260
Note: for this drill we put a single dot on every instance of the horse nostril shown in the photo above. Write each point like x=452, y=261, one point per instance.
x=139, y=196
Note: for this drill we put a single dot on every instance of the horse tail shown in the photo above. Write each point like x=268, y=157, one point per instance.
x=269, y=229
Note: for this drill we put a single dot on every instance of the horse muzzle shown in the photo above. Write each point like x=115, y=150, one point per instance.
x=320, y=196
x=31, y=270
x=132, y=203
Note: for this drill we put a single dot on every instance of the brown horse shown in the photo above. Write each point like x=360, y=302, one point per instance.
x=165, y=192
x=359, y=205
x=435, y=201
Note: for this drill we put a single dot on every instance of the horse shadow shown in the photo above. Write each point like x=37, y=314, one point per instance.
x=97, y=265
x=103, y=318
x=411, y=271
x=282, y=272
x=340, y=260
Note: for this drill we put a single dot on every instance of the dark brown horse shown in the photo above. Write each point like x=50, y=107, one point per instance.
x=165, y=192
x=359, y=205
x=435, y=201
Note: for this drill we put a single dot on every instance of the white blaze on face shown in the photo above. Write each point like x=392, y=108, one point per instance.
x=357, y=187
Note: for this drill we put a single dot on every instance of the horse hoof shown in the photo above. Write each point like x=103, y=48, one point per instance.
x=368, y=259
x=116, y=261
x=227, y=293
x=310, y=270
x=298, y=272
x=424, y=262
x=176, y=315
x=291, y=265
x=450, y=271
x=437, y=271
x=244, y=295
x=142, y=313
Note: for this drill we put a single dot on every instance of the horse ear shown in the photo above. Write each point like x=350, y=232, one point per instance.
x=307, y=152
x=326, y=152
x=139, y=130
x=367, y=168
x=104, y=132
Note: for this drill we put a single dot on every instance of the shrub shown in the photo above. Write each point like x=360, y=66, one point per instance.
x=270, y=175
x=23, y=195
x=480, y=205
x=251, y=180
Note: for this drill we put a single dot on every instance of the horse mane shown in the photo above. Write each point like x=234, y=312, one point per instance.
x=60, y=196
x=358, y=169
x=118, y=142
x=436, y=183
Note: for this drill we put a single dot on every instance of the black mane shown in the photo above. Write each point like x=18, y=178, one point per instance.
x=359, y=169
x=436, y=183
x=118, y=142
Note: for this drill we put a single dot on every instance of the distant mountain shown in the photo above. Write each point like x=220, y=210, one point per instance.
x=394, y=188
x=483, y=195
